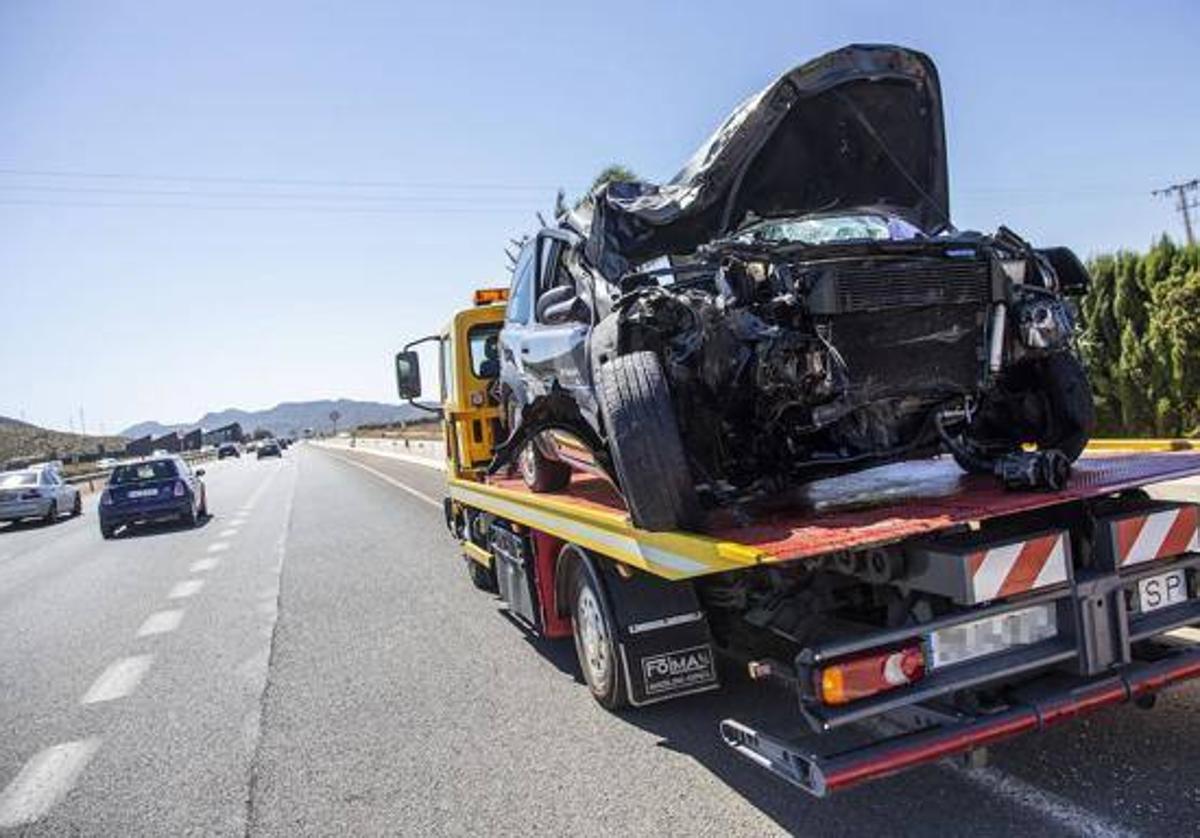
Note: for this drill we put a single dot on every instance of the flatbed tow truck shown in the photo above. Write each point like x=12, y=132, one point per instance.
x=934, y=608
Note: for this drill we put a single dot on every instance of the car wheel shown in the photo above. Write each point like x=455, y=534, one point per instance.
x=77, y=508
x=595, y=635
x=1071, y=410
x=204, y=503
x=51, y=513
x=106, y=532
x=190, y=518
x=643, y=438
x=540, y=473
x=483, y=578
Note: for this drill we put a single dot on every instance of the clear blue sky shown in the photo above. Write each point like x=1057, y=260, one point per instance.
x=334, y=177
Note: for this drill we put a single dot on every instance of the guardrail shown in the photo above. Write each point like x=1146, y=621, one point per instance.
x=91, y=477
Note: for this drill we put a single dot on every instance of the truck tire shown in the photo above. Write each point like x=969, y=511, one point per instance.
x=483, y=578
x=643, y=438
x=595, y=634
x=540, y=473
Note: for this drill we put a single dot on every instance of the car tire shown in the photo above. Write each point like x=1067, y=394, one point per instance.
x=190, y=518
x=107, y=532
x=643, y=438
x=51, y=513
x=540, y=473
x=483, y=578
x=595, y=633
x=77, y=508
x=204, y=503
x=1072, y=411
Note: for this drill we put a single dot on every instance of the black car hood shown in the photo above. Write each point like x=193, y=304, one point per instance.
x=860, y=126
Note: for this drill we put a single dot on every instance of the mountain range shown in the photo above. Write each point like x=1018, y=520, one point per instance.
x=288, y=418
x=23, y=441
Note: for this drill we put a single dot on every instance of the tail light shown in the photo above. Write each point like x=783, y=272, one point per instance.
x=870, y=674
x=180, y=489
x=106, y=498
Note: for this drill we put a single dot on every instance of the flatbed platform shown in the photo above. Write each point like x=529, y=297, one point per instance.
x=856, y=511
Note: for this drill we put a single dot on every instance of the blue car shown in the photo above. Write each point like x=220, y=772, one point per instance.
x=161, y=489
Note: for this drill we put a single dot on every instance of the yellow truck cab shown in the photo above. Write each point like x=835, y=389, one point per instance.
x=939, y=593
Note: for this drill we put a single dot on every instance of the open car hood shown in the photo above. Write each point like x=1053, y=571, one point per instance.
x=857, y=127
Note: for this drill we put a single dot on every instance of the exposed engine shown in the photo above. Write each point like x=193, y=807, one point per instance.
x=786, y=360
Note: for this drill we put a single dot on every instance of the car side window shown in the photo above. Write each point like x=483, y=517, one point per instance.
x=522, y=289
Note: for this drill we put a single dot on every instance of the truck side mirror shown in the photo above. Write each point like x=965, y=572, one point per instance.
x=408, y=375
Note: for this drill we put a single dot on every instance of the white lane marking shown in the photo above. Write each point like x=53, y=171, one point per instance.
x=161, y=622
x=201, y=565
x=232, y=531
x=1070, y=818
x=43, y=781
x=185, y=589
x=218, y=547
x=1190, y=634
x=119, y=680
x=419, y=495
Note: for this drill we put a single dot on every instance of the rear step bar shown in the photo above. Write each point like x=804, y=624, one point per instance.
x=821, y=775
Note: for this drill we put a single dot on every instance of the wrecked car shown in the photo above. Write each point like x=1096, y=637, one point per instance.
x=795, y=303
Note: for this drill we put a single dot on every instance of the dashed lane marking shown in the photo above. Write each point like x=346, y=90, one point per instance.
x=185, y=589
x=218, y=547
x=201, y=565
x=1070, y=818
x=119, y=680
x=232, y=531
x=43, y=781
x=161, y=622
x=416, y=493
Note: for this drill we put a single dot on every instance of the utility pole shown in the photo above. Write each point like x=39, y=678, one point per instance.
x=1182, y=204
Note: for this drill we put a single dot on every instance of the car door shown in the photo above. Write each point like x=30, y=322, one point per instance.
x=514, y=377
x=555, y=353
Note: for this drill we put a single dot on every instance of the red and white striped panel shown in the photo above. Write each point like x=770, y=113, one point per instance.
x=1158, y=535
x=1016, y=568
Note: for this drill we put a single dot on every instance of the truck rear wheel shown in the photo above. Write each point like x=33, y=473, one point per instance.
x=596, y=639
x=643, y=438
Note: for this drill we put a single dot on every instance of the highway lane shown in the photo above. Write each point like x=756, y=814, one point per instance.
x=336, y=673
x=150, y=650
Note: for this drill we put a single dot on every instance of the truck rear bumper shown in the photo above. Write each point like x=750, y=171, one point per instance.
x=820, y=775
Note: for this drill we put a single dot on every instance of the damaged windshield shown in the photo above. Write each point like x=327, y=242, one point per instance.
x=823, y=229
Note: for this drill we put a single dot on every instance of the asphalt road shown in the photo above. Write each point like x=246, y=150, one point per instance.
x=331, y=671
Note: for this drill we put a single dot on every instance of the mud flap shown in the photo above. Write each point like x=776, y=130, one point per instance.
x=662, y=636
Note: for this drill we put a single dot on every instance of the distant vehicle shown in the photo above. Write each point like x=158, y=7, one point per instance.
x=106, y=463
x=251, y=446
x=153, y=490
x=270, y=448
x=228, y=449
x=37, y=492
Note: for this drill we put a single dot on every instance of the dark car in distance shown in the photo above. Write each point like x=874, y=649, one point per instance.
x=269, y=448
x=159, y=489
x=228, y=449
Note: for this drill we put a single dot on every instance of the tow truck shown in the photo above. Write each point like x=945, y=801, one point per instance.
x=937, y=610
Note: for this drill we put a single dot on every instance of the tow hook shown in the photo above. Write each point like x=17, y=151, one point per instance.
x=1047, y=470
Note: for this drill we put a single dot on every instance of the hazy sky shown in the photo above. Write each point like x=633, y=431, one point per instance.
x=219, y=204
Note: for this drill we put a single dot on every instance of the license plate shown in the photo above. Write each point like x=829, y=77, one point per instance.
x=1163, y=590
x=142, y=493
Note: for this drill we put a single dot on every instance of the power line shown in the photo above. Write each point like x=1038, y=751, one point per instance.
x=316, y=196
x=1182, y=204
x=332, y=210
x=276, y=181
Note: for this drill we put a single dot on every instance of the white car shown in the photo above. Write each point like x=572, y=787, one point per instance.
x=37, y=492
